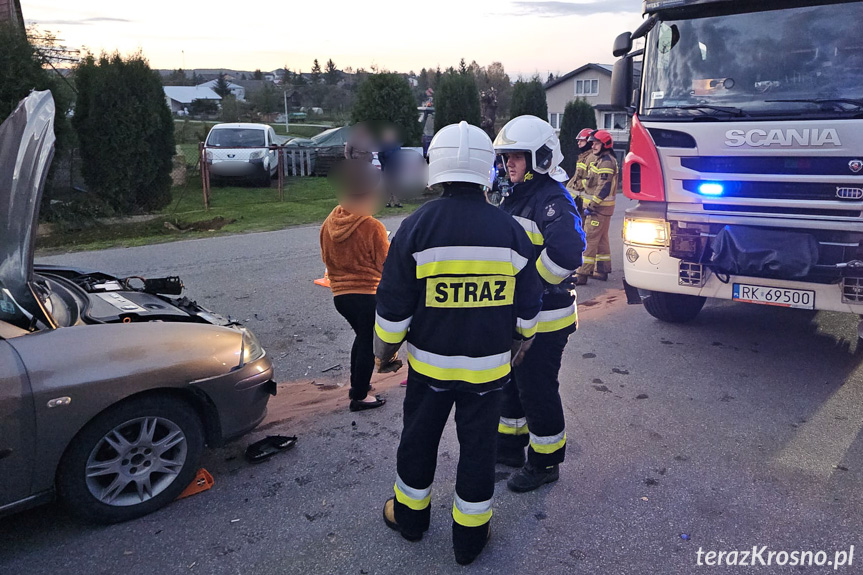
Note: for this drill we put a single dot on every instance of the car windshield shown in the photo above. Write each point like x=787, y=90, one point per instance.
x=795, y=61
x=237, y=138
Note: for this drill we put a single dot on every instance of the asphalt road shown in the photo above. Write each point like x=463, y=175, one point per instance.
x=741, y=429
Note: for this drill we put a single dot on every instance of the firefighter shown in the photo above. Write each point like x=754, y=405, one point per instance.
x=460, y=287
x=585, y=157
x=599, y=192
x=532, y=413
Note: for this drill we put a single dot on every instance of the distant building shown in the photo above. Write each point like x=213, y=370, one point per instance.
x=238, y=91
x=592, y=82
x=179, y=98
x=10, y=11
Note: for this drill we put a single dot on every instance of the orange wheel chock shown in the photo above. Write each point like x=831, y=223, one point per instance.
x=203, y=481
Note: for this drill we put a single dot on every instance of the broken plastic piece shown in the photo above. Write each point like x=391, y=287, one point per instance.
x=269, y=446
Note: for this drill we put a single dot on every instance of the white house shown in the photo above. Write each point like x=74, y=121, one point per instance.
x=592, y=82
x=238, y=91
x=179, y=98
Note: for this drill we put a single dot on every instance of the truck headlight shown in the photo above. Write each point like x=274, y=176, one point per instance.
x=252, y=348
x=256, y=155
x=645, y=232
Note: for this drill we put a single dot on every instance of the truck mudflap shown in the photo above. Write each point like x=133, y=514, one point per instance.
x=633, y=294
x=756, y=252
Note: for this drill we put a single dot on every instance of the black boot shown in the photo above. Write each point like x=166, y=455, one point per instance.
x=390, y=520
x=530, y=478
x=468, y=542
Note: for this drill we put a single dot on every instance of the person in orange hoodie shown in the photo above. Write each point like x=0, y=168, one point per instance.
x=354, y=246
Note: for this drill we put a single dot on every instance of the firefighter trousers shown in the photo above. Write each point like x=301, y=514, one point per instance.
x=426, y=411
x=597, y=254
x=532, y=413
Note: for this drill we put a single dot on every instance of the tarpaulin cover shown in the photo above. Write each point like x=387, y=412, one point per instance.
x=748, y=251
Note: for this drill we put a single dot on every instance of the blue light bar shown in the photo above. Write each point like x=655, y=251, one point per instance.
x=711, y=189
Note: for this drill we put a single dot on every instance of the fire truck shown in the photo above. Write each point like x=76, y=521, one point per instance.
x=746, y=155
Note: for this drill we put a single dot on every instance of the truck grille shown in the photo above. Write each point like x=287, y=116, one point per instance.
x=692, y=274
x=773, y=165
x=852, y=290
x=786, y=190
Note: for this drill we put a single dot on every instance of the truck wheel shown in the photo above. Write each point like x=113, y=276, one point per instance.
x=673, y=307
x=131, y=460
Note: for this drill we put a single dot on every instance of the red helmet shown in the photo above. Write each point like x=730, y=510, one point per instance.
x=604, y=138
x=584, y=134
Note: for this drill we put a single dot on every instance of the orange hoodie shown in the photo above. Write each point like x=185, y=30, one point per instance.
x=353, y=249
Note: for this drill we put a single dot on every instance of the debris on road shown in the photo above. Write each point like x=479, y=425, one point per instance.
x=269, y=446
x=331, y=368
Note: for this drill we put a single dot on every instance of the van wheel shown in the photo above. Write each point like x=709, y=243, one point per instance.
x=131, y=460
x=673, y=307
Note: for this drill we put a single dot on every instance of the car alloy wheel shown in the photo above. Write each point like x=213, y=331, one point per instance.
x=131, y=459
x=136, y=461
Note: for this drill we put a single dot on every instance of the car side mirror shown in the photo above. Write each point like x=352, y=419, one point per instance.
x=621, y=83
x=622, y=45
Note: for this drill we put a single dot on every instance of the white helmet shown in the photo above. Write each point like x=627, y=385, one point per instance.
x=461, y=153
x=533, y=136
x=558, y=174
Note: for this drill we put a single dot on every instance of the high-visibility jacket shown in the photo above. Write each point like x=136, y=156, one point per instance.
x=601, y=186
x=459, y=284
x=579, y=179
x=548, y=215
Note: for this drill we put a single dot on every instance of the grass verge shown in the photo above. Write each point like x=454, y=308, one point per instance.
x=306, y=201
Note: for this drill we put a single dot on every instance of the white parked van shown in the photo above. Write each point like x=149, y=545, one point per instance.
x=243, y=151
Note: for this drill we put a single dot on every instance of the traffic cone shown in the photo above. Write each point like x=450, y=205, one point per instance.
x=324, y=281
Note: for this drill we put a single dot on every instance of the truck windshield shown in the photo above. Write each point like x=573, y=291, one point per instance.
x=792, y=62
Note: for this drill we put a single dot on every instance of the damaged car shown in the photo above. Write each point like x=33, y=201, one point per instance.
x=110, y=388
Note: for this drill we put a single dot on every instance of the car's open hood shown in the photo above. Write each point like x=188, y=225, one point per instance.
x=26, y=149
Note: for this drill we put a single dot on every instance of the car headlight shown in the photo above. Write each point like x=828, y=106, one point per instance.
x=256, y=155
x=252, y=348
x=646, y=232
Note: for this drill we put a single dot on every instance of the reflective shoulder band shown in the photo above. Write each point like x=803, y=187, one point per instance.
x=532, y=230
x=468, y=260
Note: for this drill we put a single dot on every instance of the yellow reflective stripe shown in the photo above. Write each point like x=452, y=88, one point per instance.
x=471, y=514
x=596, y=199
x=550, y=271
x=391, y=331
x=476, y=370
x=466, y=267
x=603, y=258
x=416, y=499
x=588, y=259
x=581, y=166
x=509, y=426
x=547, y=444
x=607, y=202
x=474, y=260
x=532, y=229
x=526, y=327
x=553, y=320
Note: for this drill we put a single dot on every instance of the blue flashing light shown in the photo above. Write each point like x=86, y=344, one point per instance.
x=711, y=189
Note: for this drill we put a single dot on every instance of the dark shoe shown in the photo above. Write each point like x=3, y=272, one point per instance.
x=468, y=542
x=581, y=280
x=511, y=459
x=530, y=478
x=389, y=205
x=390, y=520
x=601, y=276
x=398, y=205
x=358, y=405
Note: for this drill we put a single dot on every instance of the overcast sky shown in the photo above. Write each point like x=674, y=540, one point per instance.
x=526, y=36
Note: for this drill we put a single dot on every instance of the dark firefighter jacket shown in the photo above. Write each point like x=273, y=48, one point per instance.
x=547, y=213
x=459, y=285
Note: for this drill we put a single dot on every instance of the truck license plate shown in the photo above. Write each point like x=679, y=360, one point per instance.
x=783, y=297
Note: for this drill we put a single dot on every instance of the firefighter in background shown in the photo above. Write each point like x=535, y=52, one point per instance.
x=599, y=192
x=532, y=413
x=459, y=284
x=585, y=157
